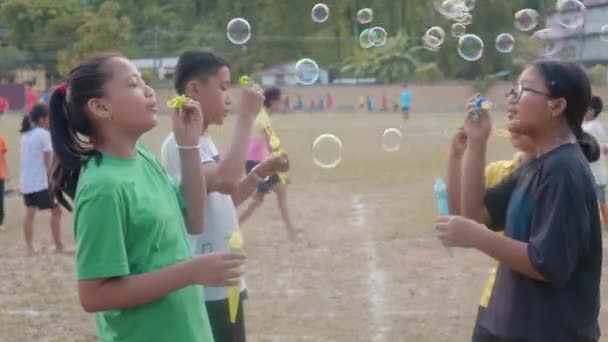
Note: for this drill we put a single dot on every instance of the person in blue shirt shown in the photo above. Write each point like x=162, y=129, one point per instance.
x=406, y=100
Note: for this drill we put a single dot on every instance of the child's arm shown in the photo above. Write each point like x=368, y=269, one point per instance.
x=454, y=172
x=225, y=175
x=213, y=269
x=7, y=173
x=248, y=184
x=194, y=190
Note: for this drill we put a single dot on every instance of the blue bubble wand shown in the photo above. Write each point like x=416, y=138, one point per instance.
x=442, y=202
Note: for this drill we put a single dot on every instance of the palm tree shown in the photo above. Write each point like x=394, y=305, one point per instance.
x=397, y=60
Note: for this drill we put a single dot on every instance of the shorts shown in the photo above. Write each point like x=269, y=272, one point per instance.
x=267, y=185
x=41, y=199
x=405, y=109
x=601, y=193
x=219, y=318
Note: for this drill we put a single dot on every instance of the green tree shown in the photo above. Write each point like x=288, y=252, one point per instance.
x=105, y=30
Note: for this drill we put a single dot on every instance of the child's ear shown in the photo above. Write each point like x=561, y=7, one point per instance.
x=99, y=108
x=193, y=88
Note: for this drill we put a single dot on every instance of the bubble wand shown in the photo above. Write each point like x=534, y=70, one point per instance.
x=236, y=246
x=273, y=139
x=442, y=202
x=480, y=103
x=177, y=102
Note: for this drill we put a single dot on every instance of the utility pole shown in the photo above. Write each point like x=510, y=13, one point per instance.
x=155, y=62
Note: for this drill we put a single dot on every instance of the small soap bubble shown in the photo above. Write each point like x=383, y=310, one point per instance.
x=365, y=16
x=238, y=31
x=320, y=13
x=307, y=71
x=458, y=30
x=378, y=36
x=570, y=13
x=391, y=140
x=327, y=151
x=470, y=47
x=526, y=19
x=505, y=43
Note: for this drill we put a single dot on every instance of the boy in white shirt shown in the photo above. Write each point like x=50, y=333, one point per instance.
x=205, y=77
x=596, y=129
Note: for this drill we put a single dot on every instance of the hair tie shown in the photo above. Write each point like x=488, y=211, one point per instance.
x=63, y=88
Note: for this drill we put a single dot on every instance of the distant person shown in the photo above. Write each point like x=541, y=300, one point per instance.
x=313, y=105
x=31, y=99
x=361, y=103
x=384, y=102
x=46, y=96
x=321, y=103
x=260, y=160
x=406, y=101
x=34, y=172
x=3, y=105
x=594, y=127
x=330, y=101
x=369, y=103
x=4, y=178
x=300, y=103
x=286, y=104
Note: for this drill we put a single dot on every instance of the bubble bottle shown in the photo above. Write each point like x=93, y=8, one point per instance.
x=236, y=246
x=442, y=201
x=480, y=103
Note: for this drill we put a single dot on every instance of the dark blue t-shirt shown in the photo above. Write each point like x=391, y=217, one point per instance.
x=551, y=204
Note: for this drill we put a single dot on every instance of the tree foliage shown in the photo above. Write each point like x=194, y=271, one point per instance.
x=59, y=33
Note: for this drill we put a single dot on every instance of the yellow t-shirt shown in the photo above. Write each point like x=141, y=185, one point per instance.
x=495, y=173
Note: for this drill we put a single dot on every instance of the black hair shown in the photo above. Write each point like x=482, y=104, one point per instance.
x=39, y=112
x=596, y=105
x=590, y=147
x=271, y=94
x=569, y=81
x=71, y=131
x=197, y=63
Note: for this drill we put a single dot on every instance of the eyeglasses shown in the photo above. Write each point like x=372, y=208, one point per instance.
x=517, y=91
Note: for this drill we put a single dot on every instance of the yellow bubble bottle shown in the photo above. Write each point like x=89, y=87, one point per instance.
x=236, y=245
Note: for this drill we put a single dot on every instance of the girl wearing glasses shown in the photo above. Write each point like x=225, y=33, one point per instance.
x=547, y=283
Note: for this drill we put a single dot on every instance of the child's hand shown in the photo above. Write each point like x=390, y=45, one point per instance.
x=188, y=123
x=458, y=231
x=216, y=269
x=459, y=142
x=252, y=100
x=274, y=165
x=477, y=130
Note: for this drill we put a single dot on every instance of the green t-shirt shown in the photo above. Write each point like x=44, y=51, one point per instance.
x=128, y=220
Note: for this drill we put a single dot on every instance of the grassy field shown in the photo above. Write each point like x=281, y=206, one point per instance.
x=370, y=271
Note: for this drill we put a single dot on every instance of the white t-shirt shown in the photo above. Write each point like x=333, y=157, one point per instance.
x=32, y=169
x=220, y=219
x=595, y=128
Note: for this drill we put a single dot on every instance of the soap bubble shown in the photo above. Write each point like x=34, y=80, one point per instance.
x=327, y=151
x=604, y=33
x=437, y=36
x=365, y=16
x=470, y=47
x=526, y=19
x=458, y=30
x=320, y=13
x=571, y=13
x=466, y=19
x=378, y=36
x=391, y=140
x=505, y=43
x=365, y=39
x=431, y=43
x=450, y=8
x=547, y=42
x=307, y=71
x=238, y=31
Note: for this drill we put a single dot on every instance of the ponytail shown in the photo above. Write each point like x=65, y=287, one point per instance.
x=71, y=130
x=26, y=124
x=71, y=152
x=590, y=147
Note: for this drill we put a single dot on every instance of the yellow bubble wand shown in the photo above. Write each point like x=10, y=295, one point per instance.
x=177, y=102
x=236, y=245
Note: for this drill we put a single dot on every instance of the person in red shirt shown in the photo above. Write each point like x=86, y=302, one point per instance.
x=3, y=105
x=31, y=99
